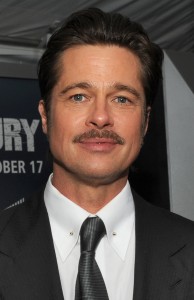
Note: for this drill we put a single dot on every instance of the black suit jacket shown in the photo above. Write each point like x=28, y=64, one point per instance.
x=164, y=263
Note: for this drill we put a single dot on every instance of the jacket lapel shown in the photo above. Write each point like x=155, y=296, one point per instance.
x=27, y=257
x=161, y=263
x=28, y=267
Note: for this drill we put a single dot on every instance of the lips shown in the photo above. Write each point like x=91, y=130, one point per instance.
x=99, y=141
x=98, y=144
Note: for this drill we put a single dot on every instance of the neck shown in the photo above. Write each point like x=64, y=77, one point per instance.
x=88, y=196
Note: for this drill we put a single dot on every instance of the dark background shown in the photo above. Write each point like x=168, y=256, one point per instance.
x=149, y=174
x=19, y=100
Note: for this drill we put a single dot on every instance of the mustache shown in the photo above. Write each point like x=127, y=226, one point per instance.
x=93, y=133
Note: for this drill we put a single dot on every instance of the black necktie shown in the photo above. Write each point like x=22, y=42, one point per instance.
x=90, y=284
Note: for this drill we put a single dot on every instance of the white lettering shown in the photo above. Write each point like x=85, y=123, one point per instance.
x=36, y=166
x=16, y=133
x=30, y=131
x=12, y=166
x=12, y=130
x=21, y=166
x=6, y=167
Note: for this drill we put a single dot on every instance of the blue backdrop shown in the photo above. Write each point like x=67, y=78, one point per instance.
x=23, y=147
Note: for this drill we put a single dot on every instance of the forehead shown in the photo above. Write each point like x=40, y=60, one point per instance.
x=101, y=65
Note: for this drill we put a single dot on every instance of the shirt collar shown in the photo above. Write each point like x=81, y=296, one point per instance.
x=119, y=216
x=66, y=219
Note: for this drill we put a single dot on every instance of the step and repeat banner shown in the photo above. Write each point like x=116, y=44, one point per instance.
x=24, y=163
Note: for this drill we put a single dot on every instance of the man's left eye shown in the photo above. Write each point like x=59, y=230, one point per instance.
x=122, y=100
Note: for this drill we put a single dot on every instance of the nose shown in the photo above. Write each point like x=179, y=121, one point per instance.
x=100, y=115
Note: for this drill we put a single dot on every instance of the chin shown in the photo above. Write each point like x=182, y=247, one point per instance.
x=97, y=179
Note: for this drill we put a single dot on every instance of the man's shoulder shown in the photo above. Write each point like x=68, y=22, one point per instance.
x=161, y=219
x=21, y=210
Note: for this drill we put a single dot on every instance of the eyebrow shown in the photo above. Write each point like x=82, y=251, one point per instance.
x=127, y=88
x=117, y=86
x=82, y=85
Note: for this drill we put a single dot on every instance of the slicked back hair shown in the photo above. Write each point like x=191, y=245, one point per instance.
x=95, y=27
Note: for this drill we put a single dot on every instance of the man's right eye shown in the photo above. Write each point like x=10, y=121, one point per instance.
x=78, y=97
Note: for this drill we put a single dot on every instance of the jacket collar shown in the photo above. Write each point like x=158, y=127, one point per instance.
x=26, y=244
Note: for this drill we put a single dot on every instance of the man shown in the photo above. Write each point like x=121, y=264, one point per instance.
x=98, y=78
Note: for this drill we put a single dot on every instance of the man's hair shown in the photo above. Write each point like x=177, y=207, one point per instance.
x=95, y=27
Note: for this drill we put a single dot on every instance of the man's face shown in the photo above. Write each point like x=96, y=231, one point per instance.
x=97, y=114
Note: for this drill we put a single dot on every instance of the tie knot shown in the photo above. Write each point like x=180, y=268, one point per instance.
x=91, y=232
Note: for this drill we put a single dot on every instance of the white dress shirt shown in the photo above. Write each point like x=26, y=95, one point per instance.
x=115, y=253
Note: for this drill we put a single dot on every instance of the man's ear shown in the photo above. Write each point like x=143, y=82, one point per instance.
x=43, y=115
x=147, y=118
